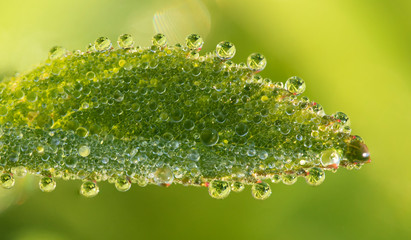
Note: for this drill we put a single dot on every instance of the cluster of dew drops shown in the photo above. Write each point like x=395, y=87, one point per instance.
x=218, y=189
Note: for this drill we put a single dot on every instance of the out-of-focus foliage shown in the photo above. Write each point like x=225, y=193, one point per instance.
x=354, y=57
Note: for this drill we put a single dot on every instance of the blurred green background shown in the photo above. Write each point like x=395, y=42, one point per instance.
x=355, y=56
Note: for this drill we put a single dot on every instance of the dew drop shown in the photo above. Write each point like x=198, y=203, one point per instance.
x=241, y=129
x=209, y=137
x=315, y=176
x=194, y=41
x=261, y=191
x=219, y=189
x=89, y=189
x=71, y=161
x=342, y=118
x=193, y=155
x=3, y=111
x=31, y=97
x=90, y=75
x=82, y=132
x=7, y=180
x=295, y=85
x=237, y=186
x=102, y=44
x=122, y=184
x=125, y=41
x=47, y=184
x=289, y=179
x=84, y=151
x=256, y=62
x=357, y=152
x=188, y=125
x=159, y=40
x=225, y=50
x=19, y=171
x=57, y=52
x=164, y=176
x=330, y=158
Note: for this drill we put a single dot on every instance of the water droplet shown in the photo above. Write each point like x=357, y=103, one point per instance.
x=194, y=41
x=47, y=184
x=315, y=176
x=71, y=161
x=57, y=52
x=209, y=137
x=342, y=118
x=261, y=191
x=7, y=180
x=82, y=132
x=19, y=171
x=89, y=189
x=289, y=179
x=193, y=155
x=188, y=125
x=3, y=111
x=118, y=96
x=295, y=85
x=122, y=184
x=31, y=97
x=241, y=129
x=330, y=158
x=276, y=178
x=177, y=115
x=256, y=62
x=84, y=151
x=125, y=41
x=237, y=186
x=219, y=189
x=164, y=176
x=159, y=40
x=225, y=50
x=90, y=75
x=102, y=44
x=357, y=152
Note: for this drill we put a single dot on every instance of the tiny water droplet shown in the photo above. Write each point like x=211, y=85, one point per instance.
x=256, y=62
x=225, y=50
x=125, y=41
x=261, y=191
x=84, y=151
x=102, y=44
x=47, y=184
x=289, y=179
x=89, y=189
x=82, y=132
x=342, y=118
x=219, y=189
x=330, y=158
x=164, y=175
x=241, y=129
x=315, y=176
x=7, y=180
x=295, y=85
x=159, y=40
x=194, y=41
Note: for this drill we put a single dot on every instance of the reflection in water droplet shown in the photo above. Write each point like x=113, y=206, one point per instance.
x=315, y=176
x=225, y=50
x=261, y=190
x=7, y=180
x=256, y=62
x=122, y=184
x=295, y=85
x=125, y=41
x=194, y=41
x=102, y=44
x=47, y=184
x=89, y=189
x=159, y=40
x=219, y=189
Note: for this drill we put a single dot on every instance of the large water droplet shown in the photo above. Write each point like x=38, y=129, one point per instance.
x=47, y=184
x=164, y=176
x=342, y=118
x=194, y=41
x=159, y=40
x=7, y=180
x=295, y=85
x=209, y=137
x=57, y=52
x=89, y=189
x=102, y=44
x=225, y=50
x=357, y=152
x=125, y=41
x=330, y=158
x=122, y=184
x=315, y=176
x=219, y=189
x=256, y=62
x=261, y=190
